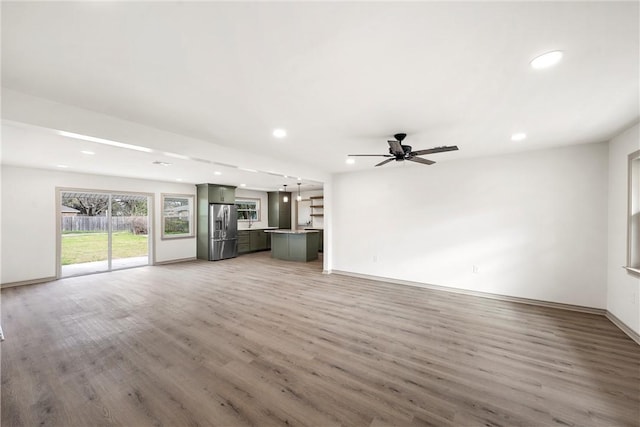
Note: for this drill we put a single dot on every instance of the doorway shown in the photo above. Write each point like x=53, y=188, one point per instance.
x=101, y=232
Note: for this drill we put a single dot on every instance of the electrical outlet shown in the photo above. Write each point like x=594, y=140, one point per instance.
x=476, y=269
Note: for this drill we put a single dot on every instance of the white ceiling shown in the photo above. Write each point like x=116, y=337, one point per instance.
x=35, y=147
x=340, y=77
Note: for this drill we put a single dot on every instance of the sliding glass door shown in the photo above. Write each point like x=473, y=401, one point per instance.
x=103, y=232
x=129, y=231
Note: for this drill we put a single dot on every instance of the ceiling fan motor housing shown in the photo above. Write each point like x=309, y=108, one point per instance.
x=405, y=148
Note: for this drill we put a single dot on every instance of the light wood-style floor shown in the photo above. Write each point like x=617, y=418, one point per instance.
x=255, y=341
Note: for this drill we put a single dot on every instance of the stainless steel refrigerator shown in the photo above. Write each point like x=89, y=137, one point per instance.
x=223, y=231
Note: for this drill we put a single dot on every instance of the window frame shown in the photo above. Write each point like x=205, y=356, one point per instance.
x=633, y=233
x=258, y=208
x=190, y=198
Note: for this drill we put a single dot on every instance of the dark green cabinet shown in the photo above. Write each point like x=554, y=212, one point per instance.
x=295, y=246
x=222, y=194
x=258, y=240
x=244, y=242
x=253, y=241
x=279, y=210
x=320, y=238
x=215, y=193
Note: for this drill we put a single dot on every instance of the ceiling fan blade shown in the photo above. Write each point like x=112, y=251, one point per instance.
x=421, y=160
x=396, y=148
x=369, y=155
x=434, y=150
x=384, y=162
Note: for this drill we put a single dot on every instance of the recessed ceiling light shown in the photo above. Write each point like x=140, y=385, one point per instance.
x=62, y=166
x=518, y=136
x=279, y=133
x=243, y=185
x=280, y=189
x=179, y=179
x=217, y=173
x=546, y=60
x=350, y=161
x=159, y=163
x=88, y=153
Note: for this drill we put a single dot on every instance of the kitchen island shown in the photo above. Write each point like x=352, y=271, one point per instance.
x=294, y=245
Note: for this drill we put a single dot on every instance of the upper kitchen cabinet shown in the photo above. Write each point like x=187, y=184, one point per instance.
x=279, y=210
x=216, y=193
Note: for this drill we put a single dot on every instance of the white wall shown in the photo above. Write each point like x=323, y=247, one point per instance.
x=534, y=223
x=316, y=221
x=29, y=225
x=264, y=208
x=623, y=288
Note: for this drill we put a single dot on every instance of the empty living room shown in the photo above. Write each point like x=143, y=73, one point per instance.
x=320, y=213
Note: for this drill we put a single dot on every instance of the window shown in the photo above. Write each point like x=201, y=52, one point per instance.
x=633, y=225
x=248, y=209
x=177, y=216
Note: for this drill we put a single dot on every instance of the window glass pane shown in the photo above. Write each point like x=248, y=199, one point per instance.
x=129, y=230
x=84, y=233
x=177, y=216
x=248, y=209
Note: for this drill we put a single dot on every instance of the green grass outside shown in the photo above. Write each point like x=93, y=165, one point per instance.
x=88, y=247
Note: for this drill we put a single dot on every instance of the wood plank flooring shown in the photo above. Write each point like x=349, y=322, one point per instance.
x=256, y=341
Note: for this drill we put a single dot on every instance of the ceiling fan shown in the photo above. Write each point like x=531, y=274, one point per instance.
x=399, y=152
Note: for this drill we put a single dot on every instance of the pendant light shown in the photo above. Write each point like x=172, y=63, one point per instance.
x=299, y=198
x=285, y=198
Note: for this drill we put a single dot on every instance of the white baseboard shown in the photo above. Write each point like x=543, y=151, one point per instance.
x=52, y=278
x=174, y=261
x=599, y=311
x=571, y=307
x=623, y=327
x=27, y=282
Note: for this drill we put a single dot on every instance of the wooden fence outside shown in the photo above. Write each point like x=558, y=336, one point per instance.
x=133, y=224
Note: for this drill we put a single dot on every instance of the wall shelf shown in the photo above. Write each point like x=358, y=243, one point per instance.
x=317, y=207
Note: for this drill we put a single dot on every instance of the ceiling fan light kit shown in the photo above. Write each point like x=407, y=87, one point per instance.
x=400, y=152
